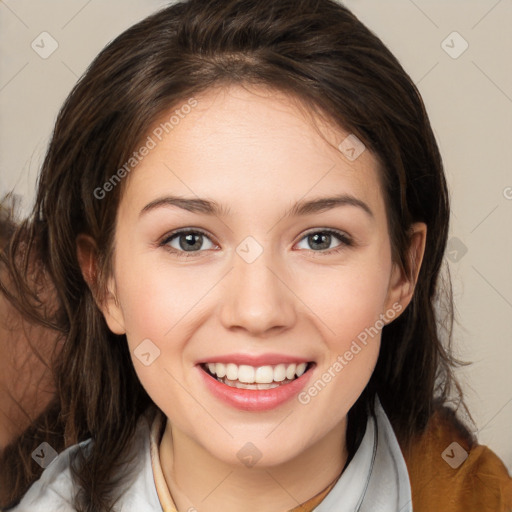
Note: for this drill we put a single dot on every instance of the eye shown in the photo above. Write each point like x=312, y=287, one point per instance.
x=321, y=241
x=186, y=241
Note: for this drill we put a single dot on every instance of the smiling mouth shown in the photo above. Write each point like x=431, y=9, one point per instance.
x=256, y=378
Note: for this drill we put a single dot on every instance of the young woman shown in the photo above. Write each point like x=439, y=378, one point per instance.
x=244, y=212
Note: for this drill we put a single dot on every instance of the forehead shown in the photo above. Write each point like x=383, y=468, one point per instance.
x=247, y=146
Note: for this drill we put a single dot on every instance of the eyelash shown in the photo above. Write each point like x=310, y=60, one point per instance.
x=345, y=240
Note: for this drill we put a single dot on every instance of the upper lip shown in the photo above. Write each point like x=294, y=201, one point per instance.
x=255, y=360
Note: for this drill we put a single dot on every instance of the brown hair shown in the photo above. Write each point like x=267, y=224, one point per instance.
x=318, y=52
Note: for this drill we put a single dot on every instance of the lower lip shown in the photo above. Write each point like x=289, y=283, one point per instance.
x=255, y=399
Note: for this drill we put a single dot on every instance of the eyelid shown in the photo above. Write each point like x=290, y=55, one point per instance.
x=345, y=240
x=331, y=231
x=172, y=234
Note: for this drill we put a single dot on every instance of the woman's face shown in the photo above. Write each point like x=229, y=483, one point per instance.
x=283, y=260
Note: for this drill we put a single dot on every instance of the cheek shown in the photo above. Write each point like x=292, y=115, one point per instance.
x=352, y=325
x=154, y=299
x=160, y=304
x=350, y=304
x=155, y=305
x=349, y=299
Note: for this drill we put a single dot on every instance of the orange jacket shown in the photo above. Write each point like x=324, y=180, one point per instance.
x=442, y=480
x=447, y=477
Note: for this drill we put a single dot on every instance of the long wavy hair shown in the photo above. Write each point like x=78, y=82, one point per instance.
x=318, y=52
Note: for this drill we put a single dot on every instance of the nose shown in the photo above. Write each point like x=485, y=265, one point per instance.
x=257, y=297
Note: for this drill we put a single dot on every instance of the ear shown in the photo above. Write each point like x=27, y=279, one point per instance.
x=402, y=285
x=87, y=252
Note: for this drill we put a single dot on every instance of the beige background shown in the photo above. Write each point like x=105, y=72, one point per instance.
x=469, y=99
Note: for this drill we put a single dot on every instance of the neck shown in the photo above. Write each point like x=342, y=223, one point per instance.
x=197, y=480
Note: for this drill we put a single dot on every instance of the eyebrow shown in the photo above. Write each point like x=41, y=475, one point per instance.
x=208, y=207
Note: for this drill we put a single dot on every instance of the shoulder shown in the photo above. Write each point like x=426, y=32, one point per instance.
x=450, y=471
x=54, y=490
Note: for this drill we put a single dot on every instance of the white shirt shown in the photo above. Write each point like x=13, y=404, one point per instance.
x=376, y=479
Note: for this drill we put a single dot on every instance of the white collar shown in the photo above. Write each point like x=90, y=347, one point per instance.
x=376, y=478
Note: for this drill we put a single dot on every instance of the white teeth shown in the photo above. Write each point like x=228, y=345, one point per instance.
x=262, y=375
x=290, y=371
x=246, y=373
x=231, y=371
x=242, y=385
x=301, y=368
x=267, y=386
x=219, y=370
x=280, y=372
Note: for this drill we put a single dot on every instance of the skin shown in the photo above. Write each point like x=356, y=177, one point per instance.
x=257, y=154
